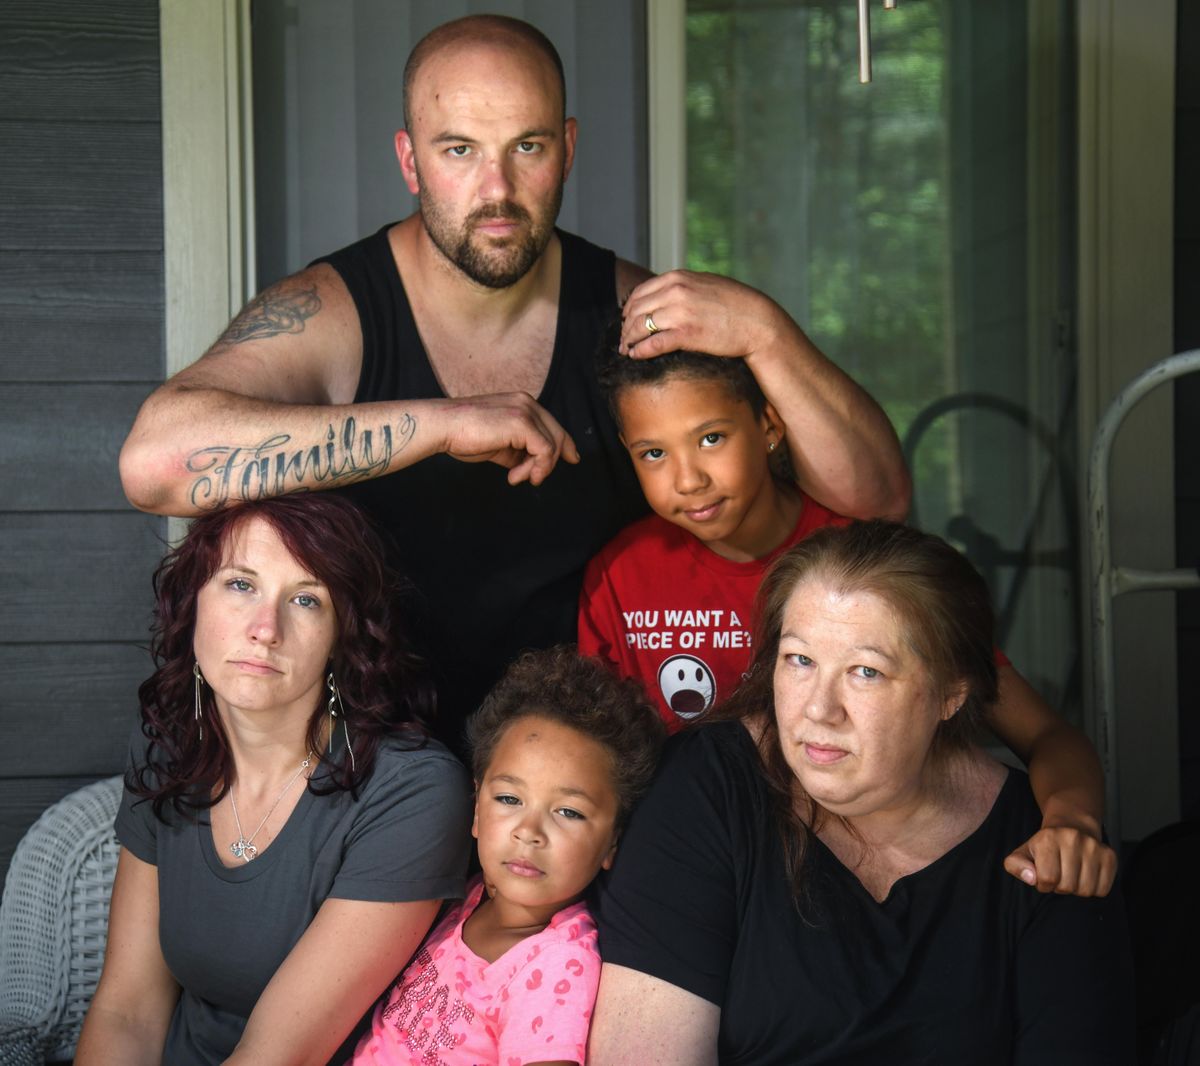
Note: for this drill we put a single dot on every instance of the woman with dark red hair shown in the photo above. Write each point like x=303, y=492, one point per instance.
x=288, y=829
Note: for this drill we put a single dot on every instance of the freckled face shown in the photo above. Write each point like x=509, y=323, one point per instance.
x=857, y=710
x=545, y=815
x=701, y=458
x=265, y=627
x=487, y=155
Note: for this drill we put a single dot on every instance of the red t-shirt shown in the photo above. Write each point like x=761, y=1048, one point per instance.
x=664, y=608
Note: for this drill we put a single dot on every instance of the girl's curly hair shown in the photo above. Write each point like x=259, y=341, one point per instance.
x=586, y=695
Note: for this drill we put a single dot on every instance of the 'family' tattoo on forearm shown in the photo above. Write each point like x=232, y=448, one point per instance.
x=271, y=468
x=270, y=313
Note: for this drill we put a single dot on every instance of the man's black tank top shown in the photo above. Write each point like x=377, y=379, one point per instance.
x=500, y=566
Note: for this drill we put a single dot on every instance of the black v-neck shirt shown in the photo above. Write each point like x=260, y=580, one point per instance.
x=500, y=566
x=960, y=964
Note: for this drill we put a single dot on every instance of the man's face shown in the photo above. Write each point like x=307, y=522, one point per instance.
x=487, y=155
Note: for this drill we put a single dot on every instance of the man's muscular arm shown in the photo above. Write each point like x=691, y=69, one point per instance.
x=267, y=410
x=843, y=448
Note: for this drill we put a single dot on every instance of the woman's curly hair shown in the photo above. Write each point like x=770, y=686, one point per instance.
x=383, y=684
x=586, y=695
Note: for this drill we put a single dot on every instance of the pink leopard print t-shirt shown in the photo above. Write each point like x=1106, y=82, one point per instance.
x=452, y=1008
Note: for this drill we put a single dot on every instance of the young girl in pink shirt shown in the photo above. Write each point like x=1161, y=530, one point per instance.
x=561, y=750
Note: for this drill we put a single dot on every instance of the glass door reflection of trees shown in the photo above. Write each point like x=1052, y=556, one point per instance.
x=919, y=229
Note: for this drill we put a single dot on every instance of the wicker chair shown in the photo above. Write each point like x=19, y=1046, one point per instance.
x=53, y=925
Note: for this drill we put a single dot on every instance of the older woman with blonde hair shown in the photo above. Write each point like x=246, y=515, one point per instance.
x=816, y=875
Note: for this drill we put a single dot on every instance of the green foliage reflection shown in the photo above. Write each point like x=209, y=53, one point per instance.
x=827, y=194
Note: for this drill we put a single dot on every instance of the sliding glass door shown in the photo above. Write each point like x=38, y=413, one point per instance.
x=920, y=227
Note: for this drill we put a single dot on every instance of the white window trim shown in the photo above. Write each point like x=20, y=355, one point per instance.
x=208, y=175
x=666, y=84
x=1126, y=84
x=208, y=170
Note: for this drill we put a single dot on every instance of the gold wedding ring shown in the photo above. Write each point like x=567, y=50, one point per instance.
x=650, y=326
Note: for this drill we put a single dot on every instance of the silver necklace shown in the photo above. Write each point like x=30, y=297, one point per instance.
x=243, y=848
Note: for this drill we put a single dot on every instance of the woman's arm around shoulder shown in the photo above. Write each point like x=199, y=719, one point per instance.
x=131, y=1010
x=645, y=1021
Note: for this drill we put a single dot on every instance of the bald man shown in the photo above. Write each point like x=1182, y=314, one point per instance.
x=413, y=363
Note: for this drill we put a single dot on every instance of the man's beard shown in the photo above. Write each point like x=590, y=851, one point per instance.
x=496, y=266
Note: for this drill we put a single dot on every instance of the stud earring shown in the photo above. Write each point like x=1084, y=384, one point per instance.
x=771, y=446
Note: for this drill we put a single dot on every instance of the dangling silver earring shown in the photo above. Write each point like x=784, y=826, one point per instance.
x=335, y=697
x=199, y=684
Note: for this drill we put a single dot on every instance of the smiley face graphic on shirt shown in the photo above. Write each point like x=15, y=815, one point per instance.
x=687, y=685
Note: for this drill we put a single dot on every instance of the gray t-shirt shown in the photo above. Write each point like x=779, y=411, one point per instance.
x=224, y=931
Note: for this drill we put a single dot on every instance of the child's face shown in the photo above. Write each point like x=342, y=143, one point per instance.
x=545, y=814
x=701, y=456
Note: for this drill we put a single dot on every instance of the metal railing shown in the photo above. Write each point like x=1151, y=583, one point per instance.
x=1109, y=580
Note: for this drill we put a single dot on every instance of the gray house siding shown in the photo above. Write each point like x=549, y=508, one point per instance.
x=81, y=344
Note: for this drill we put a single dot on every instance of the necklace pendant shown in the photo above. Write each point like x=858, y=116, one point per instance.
x=243, y=849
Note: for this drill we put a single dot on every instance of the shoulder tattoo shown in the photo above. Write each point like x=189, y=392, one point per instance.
x=274, y=311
